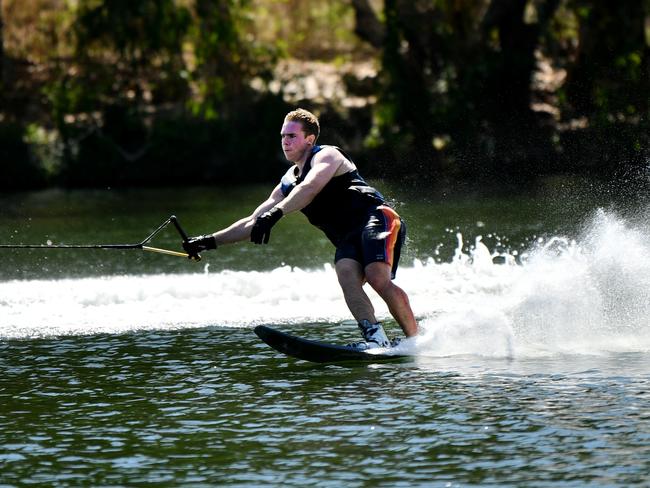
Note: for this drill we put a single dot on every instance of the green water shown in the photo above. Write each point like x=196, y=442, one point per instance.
x=153, y=398
x=507, y=220
x=212, y=407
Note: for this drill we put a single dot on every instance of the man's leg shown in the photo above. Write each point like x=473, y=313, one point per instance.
x=378, y=276
x=351, y=278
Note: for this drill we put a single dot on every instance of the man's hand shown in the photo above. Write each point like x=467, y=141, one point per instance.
x=262, y=228
x=196, y=245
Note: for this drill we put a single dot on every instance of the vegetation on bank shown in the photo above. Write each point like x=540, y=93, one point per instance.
x=159, y=92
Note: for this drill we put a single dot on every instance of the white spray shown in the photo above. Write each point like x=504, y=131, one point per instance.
x=587, y=296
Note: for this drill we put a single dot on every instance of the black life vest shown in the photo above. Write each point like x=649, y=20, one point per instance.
x=342, y=205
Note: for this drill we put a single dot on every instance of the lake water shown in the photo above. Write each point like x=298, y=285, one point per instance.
x=127, y=368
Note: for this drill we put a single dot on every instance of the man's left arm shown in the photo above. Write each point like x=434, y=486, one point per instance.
x=324, y=167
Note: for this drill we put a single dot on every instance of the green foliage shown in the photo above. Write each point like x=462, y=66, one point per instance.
x=225, y=62
x=462, y=72
x=154, y=92
x=178, y=150
x=610, y=74
x=304, y=30
x=136, y=30
x=130, y=50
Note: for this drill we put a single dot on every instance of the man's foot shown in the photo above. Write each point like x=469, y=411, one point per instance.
x=364, y=345
x=374, y=336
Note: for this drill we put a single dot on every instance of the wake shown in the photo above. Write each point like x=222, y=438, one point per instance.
x=587, y=295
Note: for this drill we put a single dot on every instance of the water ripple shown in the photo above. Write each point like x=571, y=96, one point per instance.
x=213, y=406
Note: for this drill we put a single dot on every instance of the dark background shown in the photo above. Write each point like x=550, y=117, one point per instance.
x=122, y=93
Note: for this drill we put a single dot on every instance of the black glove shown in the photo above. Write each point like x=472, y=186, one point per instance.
x=262, y=228
x=195, y=245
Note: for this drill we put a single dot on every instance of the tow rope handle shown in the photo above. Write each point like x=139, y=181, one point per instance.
x=141, y=245
x=194, y=257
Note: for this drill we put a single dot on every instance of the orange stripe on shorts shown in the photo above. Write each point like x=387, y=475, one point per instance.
x=393, y=226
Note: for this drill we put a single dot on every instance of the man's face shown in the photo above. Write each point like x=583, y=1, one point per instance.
x=294, y=141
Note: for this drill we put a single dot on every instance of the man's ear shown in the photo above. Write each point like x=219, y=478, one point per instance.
x=311, y=138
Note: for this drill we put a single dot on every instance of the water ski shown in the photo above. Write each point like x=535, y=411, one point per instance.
x=320, y=352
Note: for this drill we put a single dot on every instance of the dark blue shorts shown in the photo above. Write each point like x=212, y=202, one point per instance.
x=379, y=241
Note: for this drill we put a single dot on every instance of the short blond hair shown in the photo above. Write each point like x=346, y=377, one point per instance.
x=307, y=119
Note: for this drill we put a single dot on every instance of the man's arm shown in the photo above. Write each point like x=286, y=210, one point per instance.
x=237, y=231
x=324, y=167
x=241, y=230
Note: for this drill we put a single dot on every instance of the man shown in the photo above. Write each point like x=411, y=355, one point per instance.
x=325, y=185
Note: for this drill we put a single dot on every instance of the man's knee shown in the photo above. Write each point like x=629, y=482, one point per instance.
x=349, y=273
x=378, y=276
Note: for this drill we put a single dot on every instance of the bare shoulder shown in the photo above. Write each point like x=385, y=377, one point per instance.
x=331, y=156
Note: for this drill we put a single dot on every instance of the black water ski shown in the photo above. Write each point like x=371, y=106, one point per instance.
x=315, y=351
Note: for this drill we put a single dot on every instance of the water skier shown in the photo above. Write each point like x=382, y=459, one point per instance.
x=368, y=234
